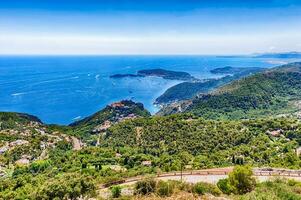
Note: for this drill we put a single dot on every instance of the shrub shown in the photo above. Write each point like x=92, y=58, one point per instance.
x=241, y=180
x=165, y=188
x=187, y=187
x=202, y=188
x=68, y=186
x=292, y=182
x=39, y=166
x=224, y=186
x=146, y=186
x=116, y=191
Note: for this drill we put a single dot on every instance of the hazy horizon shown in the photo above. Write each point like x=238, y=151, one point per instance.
x=128, y=27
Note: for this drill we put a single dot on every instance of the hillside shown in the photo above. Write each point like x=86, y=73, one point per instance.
x=208, y=143
x=167, y=74
x=102, y=120
x=46, y=166
x=38, y=161
x=273, y=92
x=188, y=90
x=24, y=138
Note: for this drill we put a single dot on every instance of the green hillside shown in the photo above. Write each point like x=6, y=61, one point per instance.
x=209, y=143
x=24, y=138
x=188, y=90
x=273, y=92
x=108, y=116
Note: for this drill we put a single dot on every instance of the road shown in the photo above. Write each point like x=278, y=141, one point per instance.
x=209, y=176
x=214, y=175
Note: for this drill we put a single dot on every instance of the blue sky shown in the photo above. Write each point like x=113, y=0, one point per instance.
x=149, y=26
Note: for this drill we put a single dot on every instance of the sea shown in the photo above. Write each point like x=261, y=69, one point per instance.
x=63, y=89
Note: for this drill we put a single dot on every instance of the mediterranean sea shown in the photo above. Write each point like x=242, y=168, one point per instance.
x=62, y=89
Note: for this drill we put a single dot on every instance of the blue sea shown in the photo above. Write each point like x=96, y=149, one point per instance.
x=62, y=89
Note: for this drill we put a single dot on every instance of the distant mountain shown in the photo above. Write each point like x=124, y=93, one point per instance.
x=279, y=55
x=166, y=74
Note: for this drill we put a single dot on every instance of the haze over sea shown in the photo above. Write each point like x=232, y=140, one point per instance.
x=61, y=89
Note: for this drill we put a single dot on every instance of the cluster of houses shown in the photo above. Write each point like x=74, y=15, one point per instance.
x=280, y=133
x=121, y=114
x=10, y=145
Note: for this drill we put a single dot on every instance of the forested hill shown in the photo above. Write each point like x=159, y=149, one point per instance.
x=188, y=90
x=273, y=92
x=211, y=143
x=11, y=119
x=108, y=116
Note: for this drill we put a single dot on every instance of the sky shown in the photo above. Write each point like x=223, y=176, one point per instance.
x=109, y=27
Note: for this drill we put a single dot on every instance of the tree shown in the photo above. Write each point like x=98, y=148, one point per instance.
x=116, y=191
x=241, y=179
x=224, y=186
x=146, y=186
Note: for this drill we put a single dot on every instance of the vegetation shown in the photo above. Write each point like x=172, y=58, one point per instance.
x=240, y=181
x=188, y=90
x=236, y=70
x=116, y=191
x=145, y=187
x=166, y=74
x=113, y=113
x=207, y=143
x=279, y=189
x=39, y=161
x=270, y=93
x=185, y=140
x=204, y=188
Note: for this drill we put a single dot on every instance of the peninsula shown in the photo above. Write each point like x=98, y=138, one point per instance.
x=236, y=70
x=166, y=74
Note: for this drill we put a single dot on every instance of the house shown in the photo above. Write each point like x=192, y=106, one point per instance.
x=18, y=142
x=188, y=166
x=118, y=155
x=103, y=127
x=146, y=163
x=22, y=161
x=117, y=105
x=275, y=133
x=3, y=149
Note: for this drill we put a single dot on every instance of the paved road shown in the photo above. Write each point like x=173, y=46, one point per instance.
x=214, y=175
x=209, y=176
